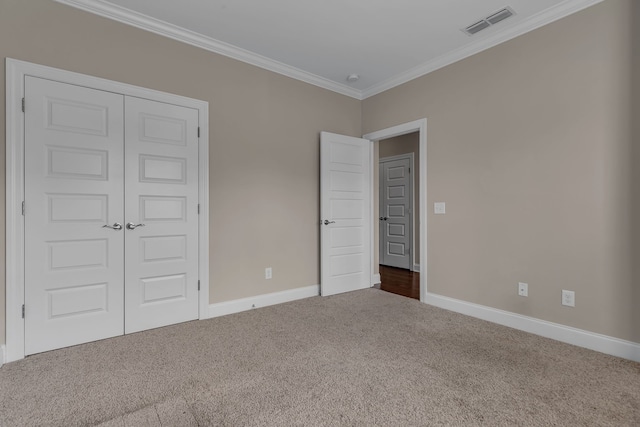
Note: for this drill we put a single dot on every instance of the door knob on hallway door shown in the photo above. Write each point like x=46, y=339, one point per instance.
x=327, y=222
x=132, y=226
x=384, y=218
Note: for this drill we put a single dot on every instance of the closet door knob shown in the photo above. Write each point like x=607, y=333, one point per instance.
x=132, y=226
x=116, y=226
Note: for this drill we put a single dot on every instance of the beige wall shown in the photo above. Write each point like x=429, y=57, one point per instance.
x=403, y=144
x=530, y=144
x=264, y=137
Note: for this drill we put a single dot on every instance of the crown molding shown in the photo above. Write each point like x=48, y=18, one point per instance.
x=144, y=22
x=538, y=20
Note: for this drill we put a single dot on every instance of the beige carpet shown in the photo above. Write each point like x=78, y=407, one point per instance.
x=366, y=358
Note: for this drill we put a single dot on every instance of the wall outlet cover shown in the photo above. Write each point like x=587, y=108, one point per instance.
x=439, y=208
x=523, y=289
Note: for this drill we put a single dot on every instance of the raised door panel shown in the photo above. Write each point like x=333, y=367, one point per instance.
x=74, y=267
x=74, y=208
x=161, y=193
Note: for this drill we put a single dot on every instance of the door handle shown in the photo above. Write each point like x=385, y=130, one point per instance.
x=327, y=222
x=384, y=218
x=116, y=226
x=132, y=226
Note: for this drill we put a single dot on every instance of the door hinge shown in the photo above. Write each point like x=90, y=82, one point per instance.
x=198, y=284
x=23, y=311
x=23, y=105
x=198, y=208
x=198, y=131
x=22, y=208
x=409, y=170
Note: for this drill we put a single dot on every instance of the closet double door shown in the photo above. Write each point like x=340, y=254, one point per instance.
x=111, y=205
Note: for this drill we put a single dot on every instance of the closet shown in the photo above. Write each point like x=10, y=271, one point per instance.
x=110, y=214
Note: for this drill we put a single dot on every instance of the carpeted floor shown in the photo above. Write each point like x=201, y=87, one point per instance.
x=366, y=358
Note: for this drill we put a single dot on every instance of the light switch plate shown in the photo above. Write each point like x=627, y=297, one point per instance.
x=568, y=298
x=439, y=208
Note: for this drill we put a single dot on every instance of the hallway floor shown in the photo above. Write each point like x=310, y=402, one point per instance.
x=400, y=281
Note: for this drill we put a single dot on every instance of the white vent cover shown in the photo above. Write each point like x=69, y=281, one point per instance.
x=490, y=20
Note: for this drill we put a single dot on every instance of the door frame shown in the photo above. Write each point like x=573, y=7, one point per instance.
x=419, y=126
x=412, y=195
x=14, y=258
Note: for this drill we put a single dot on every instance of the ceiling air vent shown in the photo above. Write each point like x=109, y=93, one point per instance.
x=490, y=20
x=499, y=16
x=478, y=26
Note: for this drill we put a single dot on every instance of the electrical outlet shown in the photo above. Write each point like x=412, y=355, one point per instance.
x=439, y=208
x=268, y=273
x=523, y=289
x=568, y=298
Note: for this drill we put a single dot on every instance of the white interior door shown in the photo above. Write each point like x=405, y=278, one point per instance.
x=161, y=243
x=345, y=213
x=111, y=214
x=396, y=220
x=73, y=189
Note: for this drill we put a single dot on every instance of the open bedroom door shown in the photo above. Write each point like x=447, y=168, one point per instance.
x=345, y=213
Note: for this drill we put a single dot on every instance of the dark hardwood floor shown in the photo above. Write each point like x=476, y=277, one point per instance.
x=399, y=281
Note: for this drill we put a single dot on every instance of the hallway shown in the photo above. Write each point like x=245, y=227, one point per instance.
x=400, y=281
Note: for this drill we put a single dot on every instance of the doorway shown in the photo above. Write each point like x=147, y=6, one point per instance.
x=399, y=228
x=415, y=131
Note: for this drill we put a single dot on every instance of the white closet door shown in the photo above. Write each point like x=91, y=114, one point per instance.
x=73, y=187
x=161, y=199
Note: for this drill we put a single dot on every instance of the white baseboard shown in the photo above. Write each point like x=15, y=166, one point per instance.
x=376, y=279
x=581, y=338
x=265, y=300
x=2, y=354
x=416, y=268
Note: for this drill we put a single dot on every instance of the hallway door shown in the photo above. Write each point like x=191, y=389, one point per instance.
x=345, y=201
x=396, y=219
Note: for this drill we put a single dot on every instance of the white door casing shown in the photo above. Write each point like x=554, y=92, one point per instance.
x=17, y=74
x=161, y=268
x=396, y=219
x=345, y=198
x=74, y=187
